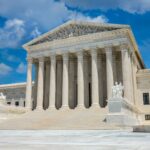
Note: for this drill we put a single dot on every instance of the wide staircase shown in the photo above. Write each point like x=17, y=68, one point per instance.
x=92, y=118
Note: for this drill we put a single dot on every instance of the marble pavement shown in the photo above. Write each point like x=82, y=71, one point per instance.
x=73, y=139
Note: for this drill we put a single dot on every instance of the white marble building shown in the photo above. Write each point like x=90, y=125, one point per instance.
x=78, y=63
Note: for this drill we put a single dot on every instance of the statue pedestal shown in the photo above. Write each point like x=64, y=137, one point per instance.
x=121, y=112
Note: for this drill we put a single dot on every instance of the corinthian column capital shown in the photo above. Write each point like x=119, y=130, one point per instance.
x=108, y=49
x=80, y=55
x=94, y=52
x=65, y=56
x=41, y=59
x=53, y=56
x=124, y=47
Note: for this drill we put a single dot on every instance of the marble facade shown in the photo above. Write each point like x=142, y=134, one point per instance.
x=78, y=63
x=76, y=66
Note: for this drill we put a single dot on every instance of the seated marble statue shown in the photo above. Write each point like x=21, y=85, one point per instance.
x=117, y=90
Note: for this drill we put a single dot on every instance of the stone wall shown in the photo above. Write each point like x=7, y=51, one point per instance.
x=143, y=86
x=15, y=93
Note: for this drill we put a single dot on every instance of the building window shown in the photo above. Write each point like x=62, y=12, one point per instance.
x=146, y=98
x=147, y=117
x=17, y=103
x=9, y=103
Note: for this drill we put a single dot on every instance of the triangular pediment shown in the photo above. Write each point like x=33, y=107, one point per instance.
x=74, y=29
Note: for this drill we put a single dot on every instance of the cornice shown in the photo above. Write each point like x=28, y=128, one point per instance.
x=73, y=22
x=95, y=37
x=14, y=85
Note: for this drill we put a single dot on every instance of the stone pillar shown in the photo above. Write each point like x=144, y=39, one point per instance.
x=65, y=88
x=109, y=72
x=127, y=75
x=80, y=78
x=52, y=93
x=29, y=85
x=95, y=89
x=40, y=84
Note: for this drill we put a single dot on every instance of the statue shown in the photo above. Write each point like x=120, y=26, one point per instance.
x=117, y=90
x=2, y=98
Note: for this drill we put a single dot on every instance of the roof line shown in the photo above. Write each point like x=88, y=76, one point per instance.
x=74, y=22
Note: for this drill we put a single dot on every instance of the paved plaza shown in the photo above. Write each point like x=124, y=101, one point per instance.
x=74, y=140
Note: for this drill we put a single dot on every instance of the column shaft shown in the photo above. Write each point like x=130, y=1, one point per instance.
x=109, y=72
x=52, y=94
x=40, y=84
x=29, y=86
x=80, y=78
x=127, y=75
x=65, y=88
x=95, y=89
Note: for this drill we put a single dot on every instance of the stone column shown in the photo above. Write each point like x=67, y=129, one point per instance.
x=65, y=86
x=80, y=78
x=52, y=93
x=29, y=85
x=40, y=84
x=109, y=72
x=95, y=89
x=127, y=75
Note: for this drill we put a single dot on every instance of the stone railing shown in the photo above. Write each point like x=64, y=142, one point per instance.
x=122, y=112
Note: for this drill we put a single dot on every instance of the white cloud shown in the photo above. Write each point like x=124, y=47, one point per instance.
x=6, y=55
x=132, y=6
x=21, y=68
x=45, y=13
x=35, y=33
x=81, y=17
x=5, y=69
x=12, y=33
x=35, y=17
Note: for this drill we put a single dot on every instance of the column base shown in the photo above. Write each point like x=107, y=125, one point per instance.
x=39, y=109
x=51, y=108
x=95, y=106
x=65, y=107
x=80, y=107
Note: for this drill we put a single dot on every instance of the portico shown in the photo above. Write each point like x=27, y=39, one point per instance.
x=78, y=82
x=78, y=64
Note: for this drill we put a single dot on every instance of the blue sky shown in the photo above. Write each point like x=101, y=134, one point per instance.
x=23, y=20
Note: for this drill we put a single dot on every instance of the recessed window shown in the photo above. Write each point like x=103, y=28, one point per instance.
x=17, y=103
x=8, y=103
x=146, y=98
x=147, y=117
